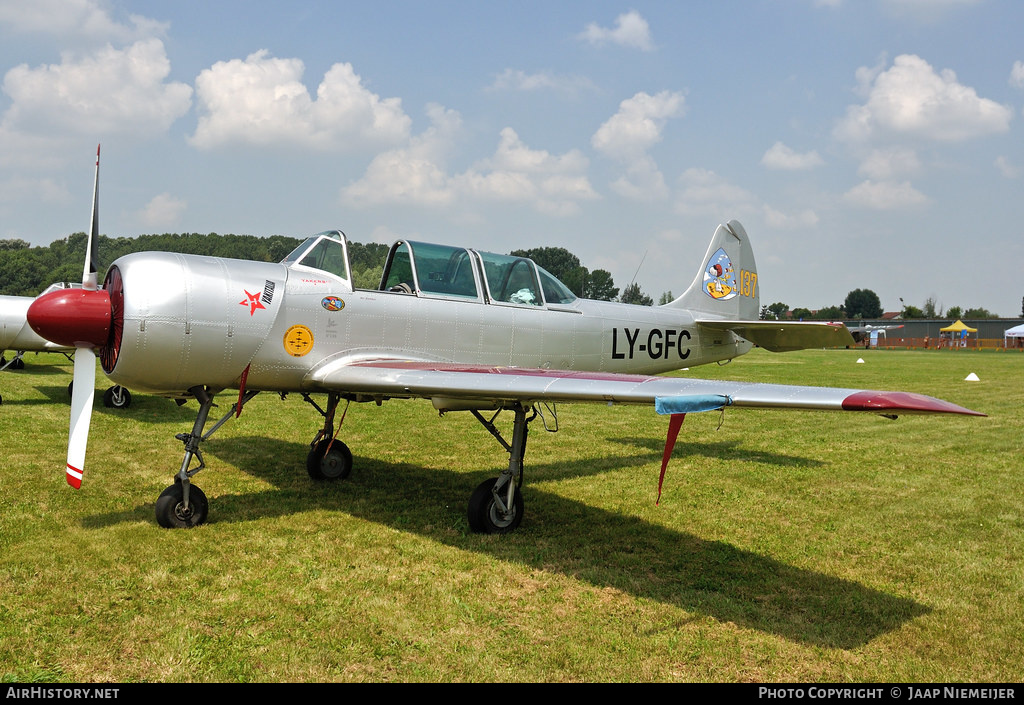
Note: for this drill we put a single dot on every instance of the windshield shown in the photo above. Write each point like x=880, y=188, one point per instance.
x=325, y=251
x=555, y=292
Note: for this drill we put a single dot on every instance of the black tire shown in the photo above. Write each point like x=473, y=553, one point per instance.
x=483, y=514
x=171, y=515
x=333, y=465
x=117, y=397
x=18, y=364
x=71, y=388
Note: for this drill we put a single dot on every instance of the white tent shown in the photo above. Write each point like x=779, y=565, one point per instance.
x=1015, y=332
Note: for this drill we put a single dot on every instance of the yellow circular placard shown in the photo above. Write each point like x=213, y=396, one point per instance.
x=298, y=340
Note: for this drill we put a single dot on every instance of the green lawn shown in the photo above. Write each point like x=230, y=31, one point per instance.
x=788, y=546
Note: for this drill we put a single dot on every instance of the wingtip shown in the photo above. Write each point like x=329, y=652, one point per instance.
x=906, y=402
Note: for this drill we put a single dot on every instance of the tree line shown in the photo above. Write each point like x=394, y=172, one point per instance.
x=864, y=304
x=27, y=270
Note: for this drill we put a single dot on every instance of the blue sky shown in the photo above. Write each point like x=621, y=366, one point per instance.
x=862, y=143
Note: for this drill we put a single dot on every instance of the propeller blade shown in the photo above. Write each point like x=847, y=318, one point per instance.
x=82, y=392
x=89, y=270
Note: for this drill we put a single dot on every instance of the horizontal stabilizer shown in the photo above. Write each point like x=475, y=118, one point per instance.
x=779, y=336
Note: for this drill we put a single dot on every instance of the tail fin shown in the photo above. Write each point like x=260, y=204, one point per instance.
x=726, y=285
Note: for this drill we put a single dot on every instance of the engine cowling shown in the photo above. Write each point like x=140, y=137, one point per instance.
x=199, y=320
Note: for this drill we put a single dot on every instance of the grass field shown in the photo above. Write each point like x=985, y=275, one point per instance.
x=788, y=546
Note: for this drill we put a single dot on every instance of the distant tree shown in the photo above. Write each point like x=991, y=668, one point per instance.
x=778, y=310
x=862, y=303
x=566, y=266
x=830, y=313
x=914, y=312
x=930, y=308
x=632, y=295
x=368, y=278
x=367, y=256
x=979, y=313
x=800, y=314
x=764, y=312
x=13, y=245
x=666, y=298
x=954, y=312
x=600, y=286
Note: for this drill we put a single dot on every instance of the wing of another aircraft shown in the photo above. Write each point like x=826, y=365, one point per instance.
x=458, y=386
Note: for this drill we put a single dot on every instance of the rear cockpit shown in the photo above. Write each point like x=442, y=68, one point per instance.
x=440, y=271
x=443, y=271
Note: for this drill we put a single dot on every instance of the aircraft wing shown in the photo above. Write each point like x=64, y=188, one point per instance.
x=784, y=336
x=454, y=386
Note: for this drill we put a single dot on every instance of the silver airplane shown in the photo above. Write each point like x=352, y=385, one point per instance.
x=17, y=336
x=468, y=330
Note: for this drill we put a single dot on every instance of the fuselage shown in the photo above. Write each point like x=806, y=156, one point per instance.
x=191, y=320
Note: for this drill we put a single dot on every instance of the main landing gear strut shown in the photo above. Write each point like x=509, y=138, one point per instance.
x=495, y=507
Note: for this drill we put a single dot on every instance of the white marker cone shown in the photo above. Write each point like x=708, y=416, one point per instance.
x=971, y=378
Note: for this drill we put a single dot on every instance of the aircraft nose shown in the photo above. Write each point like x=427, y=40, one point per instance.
x=72, y=317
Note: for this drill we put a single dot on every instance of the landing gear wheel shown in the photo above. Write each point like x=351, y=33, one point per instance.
x=485, y=515
x=117, y=397
x=171, y=512
x=71, y=387
x=17, y=364
x=333, y=465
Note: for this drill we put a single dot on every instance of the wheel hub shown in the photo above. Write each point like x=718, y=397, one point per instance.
x=182, y=512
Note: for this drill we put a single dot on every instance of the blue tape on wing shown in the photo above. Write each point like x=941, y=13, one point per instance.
x=690, y=404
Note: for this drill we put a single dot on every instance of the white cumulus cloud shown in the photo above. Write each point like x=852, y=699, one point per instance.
x=885, y=195
x=631, y=30
x=416, y=174
x=517, y=80
x=111, y=90
x=1017, y=74
x=163, y=210
x=630, y=133
x=1006, y=167
x=912, y=99
x=885, y=164
x=779, y=156
x=788, y=221
x=84, y=19
x=262, y=100
x=703, y=192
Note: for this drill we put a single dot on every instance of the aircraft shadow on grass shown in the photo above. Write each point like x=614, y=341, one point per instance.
x=146, y=408
x=621, y=552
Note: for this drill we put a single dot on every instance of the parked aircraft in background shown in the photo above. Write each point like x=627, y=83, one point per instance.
x=868, y=334
x=469, y=330
x=18, y=337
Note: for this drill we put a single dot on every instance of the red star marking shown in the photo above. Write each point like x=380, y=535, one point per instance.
x=252, y=301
